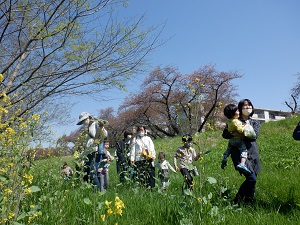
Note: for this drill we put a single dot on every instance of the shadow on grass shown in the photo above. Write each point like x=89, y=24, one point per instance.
x=281, y=205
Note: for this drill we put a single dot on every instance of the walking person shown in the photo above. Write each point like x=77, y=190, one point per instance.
x=164, y=170
x=187, y=155
x=234, y=124
x=95, y=133
x=142, y=156
x=123, y=156
x=103, y=163
x=246, y=191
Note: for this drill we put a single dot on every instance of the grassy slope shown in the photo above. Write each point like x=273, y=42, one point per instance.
x=278, y=195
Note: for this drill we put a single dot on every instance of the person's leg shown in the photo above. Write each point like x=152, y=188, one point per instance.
x=106, y=179
x=188, y=178
x=139, y=172
x=101, y=181
x=247, y=189
x=151, y=176
x=94, y=173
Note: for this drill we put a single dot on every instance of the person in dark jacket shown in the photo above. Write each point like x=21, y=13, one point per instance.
x=296, y=133
x=123, y=155
x=247, y=189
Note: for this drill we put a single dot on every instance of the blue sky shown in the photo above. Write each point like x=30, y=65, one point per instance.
x=260, y=39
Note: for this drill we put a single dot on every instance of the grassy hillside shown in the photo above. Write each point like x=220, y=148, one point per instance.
x=277, y=194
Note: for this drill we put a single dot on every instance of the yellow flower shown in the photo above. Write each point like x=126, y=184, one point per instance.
x=32, y=206
x=107, y=203
x=76, y=155
x=119, y=204
x=1, y=77
x=11, y=215
x=36, y=117
x=27, y=191
x=103, y=217
x=118, y=211
x=7, y=191
x=109, y=211
x=199, y=199
x=197, y=80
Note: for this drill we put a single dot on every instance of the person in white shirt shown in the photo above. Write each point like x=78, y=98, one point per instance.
x=164, y=170
x=142, y=156
x=95, y=133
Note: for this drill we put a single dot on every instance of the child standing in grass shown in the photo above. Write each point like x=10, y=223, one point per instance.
x=187, y=155
x=66, y=171
x=104, y=162
x=235, y=125
x=163, y=172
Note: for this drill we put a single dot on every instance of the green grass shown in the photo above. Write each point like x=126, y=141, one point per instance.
x=277, y=193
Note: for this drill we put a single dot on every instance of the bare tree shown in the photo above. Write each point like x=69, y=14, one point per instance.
x=54, y=49
x=171, y=103
x=292, y=106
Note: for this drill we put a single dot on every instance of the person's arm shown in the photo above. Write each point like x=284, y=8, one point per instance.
x=120, y=152
x=196, y=156
x=171, y=168
x=110, y=157
x=175, y=160
x=151, y=148
x=132, y=151
x=226, y=134
x=239, y=126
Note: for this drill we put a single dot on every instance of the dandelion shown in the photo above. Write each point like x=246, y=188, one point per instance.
x=199, y=199
x=103, y=217
x=31, y=206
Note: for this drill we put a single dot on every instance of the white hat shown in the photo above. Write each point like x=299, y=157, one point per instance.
x=82, y=117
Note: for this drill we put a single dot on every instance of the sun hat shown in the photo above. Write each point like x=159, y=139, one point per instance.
x=82, y=117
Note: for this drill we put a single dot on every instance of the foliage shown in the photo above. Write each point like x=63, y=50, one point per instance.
x=16, y=169
x=51, y=50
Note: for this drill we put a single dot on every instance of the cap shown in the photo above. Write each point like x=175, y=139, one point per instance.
x=82, y=117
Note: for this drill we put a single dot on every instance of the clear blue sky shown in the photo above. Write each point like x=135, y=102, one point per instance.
x=259, y=38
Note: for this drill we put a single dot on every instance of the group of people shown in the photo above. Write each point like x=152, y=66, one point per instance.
x=136, y=155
